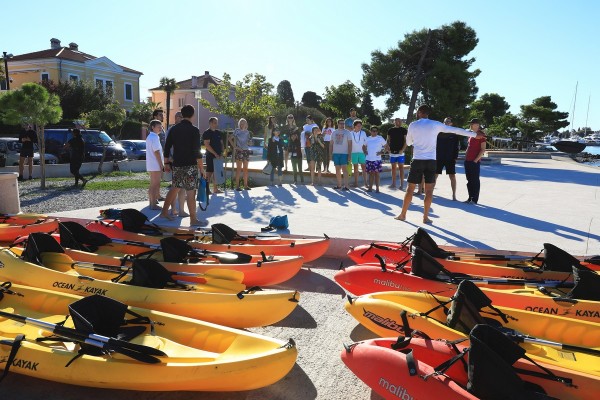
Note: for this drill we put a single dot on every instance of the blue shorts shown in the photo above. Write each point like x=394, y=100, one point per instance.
x=307, y=152
x=340, y=159
x=397, y=159
x=358, y=158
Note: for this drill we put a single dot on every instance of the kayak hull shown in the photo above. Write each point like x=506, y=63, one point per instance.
x=201, y=356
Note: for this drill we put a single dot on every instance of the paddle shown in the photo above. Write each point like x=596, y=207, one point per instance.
x=208, y=277
x=522, y=338
x=136, y=351
x=230, y=257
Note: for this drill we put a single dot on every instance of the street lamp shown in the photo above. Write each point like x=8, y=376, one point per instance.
x=6, y=57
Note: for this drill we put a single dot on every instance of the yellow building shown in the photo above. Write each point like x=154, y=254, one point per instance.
x=60, y=64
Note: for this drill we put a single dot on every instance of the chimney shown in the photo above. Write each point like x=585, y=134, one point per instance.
x=194, y=81
x=206, y=73
x=54, y=43
x=74, y=46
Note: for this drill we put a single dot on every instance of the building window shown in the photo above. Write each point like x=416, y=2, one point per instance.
x=181, y=102
x=105, y=85
x=128, y=92
x=45, y=77
x=73, y=78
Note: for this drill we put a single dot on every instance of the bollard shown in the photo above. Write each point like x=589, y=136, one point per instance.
x=9, y=193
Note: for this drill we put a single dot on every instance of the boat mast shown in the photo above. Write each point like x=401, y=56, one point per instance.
x=573, y=109
x=587, y=116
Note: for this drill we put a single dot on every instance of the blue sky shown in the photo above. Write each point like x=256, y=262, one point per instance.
x=527, y=48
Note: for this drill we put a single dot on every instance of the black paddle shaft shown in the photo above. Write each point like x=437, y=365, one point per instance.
x=136, y=351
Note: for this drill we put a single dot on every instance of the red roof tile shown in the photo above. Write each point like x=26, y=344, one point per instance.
x=64, y=53
x=203, y=82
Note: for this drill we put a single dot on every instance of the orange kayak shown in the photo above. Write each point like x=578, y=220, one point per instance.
x=550, y=258
x=13, y=226
x=309, y=249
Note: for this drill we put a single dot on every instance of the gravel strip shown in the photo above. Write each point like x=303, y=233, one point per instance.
x=62, y=195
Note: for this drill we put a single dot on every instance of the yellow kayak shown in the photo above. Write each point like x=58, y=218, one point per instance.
x=199, y=356
x=241, y=310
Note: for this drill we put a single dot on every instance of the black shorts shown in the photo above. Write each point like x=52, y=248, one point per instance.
x=210, y=165
x=450, y=166
x=420, y=169
x=26, y=152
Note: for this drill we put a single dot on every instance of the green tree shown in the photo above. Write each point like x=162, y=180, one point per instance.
x=487, y=107
x=367, y=110
x=431, y=64
x=78, y=97
x=34, y=105
x=109, y=118
x=311, y=100
x=504, y=125
x=540, y=118
x=285, y=94
x=251, y=98
x=169, y=85
x=142, y=112
x=340, y=99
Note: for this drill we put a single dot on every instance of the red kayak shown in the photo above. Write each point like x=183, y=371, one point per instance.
x=492, y=368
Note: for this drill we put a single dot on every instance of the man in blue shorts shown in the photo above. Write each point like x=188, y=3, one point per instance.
x=396, y=141
x=340, y=147
x=422, y=135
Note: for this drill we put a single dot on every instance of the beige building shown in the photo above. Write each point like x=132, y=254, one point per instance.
x=191, y=91
x=59, y=63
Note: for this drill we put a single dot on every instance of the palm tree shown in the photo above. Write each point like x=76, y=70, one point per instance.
x=169, y=85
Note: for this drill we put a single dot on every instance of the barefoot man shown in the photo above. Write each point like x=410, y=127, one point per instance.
x=422, y=135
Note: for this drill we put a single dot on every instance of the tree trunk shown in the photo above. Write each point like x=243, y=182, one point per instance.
x=42, y=148
x=417, y=80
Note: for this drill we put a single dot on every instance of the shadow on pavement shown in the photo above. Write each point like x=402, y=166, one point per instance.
x=361, y=333
x=299, y=318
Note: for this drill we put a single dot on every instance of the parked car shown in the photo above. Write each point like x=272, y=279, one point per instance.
x=256, y=146
x=136, y=149
x=95, y=142
x=11, y=147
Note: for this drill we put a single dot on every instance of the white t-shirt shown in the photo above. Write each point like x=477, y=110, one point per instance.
x=327, y=134
x=152, y=145
x=358, y=139
x=422, y=135
x=374, y=145
x=306, y=129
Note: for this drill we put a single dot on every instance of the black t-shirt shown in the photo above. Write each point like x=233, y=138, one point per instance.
x=397, y=138
x=184, y=139
x=76, y=146
x=447, y=146
x=27, y=144
x=216, y=142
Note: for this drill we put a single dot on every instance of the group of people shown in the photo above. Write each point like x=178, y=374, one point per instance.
x=435, y=148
